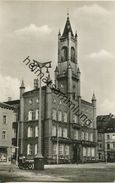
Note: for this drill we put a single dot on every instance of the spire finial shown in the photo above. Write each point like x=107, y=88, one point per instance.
x=67, y=12
x=93, y=97
x=22, y=84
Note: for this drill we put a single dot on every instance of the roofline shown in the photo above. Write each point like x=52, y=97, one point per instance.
x=7, y=106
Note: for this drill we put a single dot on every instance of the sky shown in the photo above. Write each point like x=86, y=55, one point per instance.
x=30, y=28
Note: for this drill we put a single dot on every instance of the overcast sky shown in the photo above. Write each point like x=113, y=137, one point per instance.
x=31, y=28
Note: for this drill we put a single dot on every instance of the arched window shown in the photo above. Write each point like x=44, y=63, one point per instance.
x=29, y=149
x=37, y=114
x=36, y=149
x=30, y=115
x=64, y=54
x=72, y=54
x=36, y=131
x=30, y=131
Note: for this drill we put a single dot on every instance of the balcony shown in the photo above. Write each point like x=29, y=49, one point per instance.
x=76, y=125
x=61, y=139
x=88, y=143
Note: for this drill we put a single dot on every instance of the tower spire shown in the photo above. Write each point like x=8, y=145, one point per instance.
x=68, y=13
x=67, y=28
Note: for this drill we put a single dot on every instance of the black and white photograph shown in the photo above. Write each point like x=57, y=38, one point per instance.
x=57, y=91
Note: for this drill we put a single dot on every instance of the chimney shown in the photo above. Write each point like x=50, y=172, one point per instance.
x=9, y=98
x=35, y=83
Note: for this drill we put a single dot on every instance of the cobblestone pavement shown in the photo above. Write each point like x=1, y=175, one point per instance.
x=95, y=172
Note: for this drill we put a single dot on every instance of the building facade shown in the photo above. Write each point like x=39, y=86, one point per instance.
x=63, y=138
x=106, y=138
x=7, y=117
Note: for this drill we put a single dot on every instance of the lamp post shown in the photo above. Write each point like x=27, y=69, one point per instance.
x=38, y=160
x=57, y=145
x=17, y=148
x=57, y=158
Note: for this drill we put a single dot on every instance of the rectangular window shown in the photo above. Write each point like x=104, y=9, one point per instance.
x=74, y=118
x=65, y=116
x=76, y=134
x=108, y=146
x=37, y=114
x=14, y=133
x=36, y=131
x=91, y=136
x=53, y=130
x=59, y=131
x=59, y=116
x=84, y=151
x=30, y=131
x=113, y=137
x=108, y=136
x=64, y=132
x=30, y=115
x=54, y=149
x=3, y=135
x=36, y=149
x=61, y=149
x=113, y=144
x=29, y=149
x=4, y=119
x=100, y=145
x=92, y=152
x=99, y=136
x=54, y=114
x=66, y=150
x=88, y=151
x=86, y=136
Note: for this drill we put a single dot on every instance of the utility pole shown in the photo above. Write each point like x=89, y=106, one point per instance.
x=39, y=159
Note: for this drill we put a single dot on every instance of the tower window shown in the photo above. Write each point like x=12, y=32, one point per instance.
x=4, y=119
x=4, y=135
x=64, y=54
x=30, y=115
x=72, y=54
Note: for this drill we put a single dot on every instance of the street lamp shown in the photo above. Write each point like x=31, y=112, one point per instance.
x=57, y=136
x=17, y=150
x=38, y=160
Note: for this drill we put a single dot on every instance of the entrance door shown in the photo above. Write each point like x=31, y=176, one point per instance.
x=3, y=154
x=76, y=153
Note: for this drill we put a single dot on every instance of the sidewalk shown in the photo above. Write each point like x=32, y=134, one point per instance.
x=86, y=165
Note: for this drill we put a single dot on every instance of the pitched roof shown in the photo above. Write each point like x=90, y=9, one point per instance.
x=67, y=28
x=13, y=102
x=6, y=106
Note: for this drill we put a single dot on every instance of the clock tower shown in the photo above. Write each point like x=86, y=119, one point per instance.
x=67, y=74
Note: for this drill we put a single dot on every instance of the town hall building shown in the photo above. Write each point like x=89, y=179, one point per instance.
x=63, y=138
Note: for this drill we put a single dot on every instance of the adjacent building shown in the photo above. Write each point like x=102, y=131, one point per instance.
x=63, y=138
x=7, y=117
x=106, y=138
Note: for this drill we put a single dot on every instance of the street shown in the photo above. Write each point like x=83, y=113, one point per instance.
x=95, y=172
